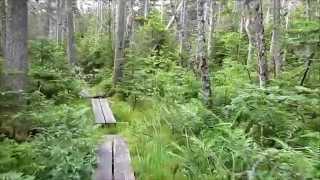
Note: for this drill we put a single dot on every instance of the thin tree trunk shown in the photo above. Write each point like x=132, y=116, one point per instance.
x=146, y=8
x=16, y=53
x=308, y=9
x=202, y=54
x=52, y=20
x=276, y=39
x=251, y=40
x=129, y=26
x=119, y=43
x=114, y=23
x=255, y=23
x=110, y=19
x=60, y=20
x=3, y=26
x=173, y=18
x=262, y=60
x=183, y=34
x=71, y=49
x=46, y=20
x=211, y=25
x=305, y=74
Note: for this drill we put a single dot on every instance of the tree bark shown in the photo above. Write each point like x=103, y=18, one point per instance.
x=46, y=19
x=251, y=41
x=129, y=24
x=3, y=26
x=308, y=9
x=276, y=39
x=71, y=49
x=255, y=22
x=16, y=53
x=211, y=24
x=146, y=8
x=60, y=20
x=202, y=54
x=183, y=34
x=119, y=43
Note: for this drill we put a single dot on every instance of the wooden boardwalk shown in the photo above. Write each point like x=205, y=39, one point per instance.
x=114, y=161
x=102, y=111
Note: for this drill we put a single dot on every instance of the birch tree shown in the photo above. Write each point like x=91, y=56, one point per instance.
x=256, y=27
x=276, y=38
x=201, y=53
x=119, y=42
x=211, y=23
x=16, y=53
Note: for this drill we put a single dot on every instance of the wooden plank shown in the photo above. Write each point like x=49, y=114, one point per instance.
x=106, y=111
x=97, y=111
x=105, y=160
x=122, y=161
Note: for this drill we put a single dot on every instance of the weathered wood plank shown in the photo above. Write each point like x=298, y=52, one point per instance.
x=107, y=113
x=122, y=161
x=97, y=111
x=105, y=160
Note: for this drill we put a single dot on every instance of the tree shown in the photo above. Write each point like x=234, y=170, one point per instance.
x=71, y=49
x=183, y=35
x=2, y=25
x=211, y=23
x=119, y=42
x=202, y=53
x=255, y=24
x=46, y=19
x=276, y=38
x=16, y=53
x=129, y=24
x=60, y=20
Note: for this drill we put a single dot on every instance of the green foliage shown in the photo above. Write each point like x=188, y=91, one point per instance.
x=249, y=133
x=50, y=72
x=95, y=56
x=65, y=148
x=230, y=46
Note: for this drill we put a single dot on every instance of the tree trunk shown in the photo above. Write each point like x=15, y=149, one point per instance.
x=262, y=60
x=308, y=9
x=60, y=20
x=183, y=34
x=46, y=19
x=71, y=49
x=16, y=53
x=3, y=26
x=129, y=25
x=202, y=56
x=146, y=8
x=251, y=38
x=119, y=43
x=276, y=39
x=211, y=25
x=255, y=23
x=52, y=20
x=100, y=17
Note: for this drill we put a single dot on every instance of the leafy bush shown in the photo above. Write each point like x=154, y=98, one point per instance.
x=95, y=56
x=65, y=148
x=50, y=73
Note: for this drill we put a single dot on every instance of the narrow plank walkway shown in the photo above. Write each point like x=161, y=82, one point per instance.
x=114, y=161
x=102, y=111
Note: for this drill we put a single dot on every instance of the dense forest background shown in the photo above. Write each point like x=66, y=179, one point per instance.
x=206, y=89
